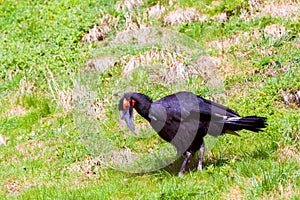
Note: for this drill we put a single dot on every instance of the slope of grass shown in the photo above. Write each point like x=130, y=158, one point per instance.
x=58, y=113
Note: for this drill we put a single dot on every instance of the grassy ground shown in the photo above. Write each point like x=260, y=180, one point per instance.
x=62, y=62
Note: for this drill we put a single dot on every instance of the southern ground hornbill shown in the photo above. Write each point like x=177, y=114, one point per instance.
x=183, y=119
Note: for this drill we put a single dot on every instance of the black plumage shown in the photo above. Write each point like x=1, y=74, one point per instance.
x=183, y=119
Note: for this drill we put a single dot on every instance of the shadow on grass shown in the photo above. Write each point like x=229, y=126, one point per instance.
x=215, y=162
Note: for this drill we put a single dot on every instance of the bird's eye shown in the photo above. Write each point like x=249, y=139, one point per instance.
x=133, y=102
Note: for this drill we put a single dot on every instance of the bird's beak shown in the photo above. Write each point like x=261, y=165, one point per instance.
x=127, y=116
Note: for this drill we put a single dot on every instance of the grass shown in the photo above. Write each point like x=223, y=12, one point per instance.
x=58, y=113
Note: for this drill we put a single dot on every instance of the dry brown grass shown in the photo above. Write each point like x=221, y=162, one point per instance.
x=272, y=70
x=15, y=110
x=90, y=165
x=25, y=86
x=63, y=97
x=156, y=10
x=235, y=193
x=286, y=192
x=280, y=8
x=96, y=34
x=247, y=40
x=31, y=149
x=220, y=17
x=12, y=187
x=96, y=110
x=181, y=16
x=242, y=38
x=148, y=58
x=291, y=98
x=145, y=36
x=87, y=167
x=275, y=31
x=100, y=64
x=172, y=65
x=133, y=20
x=128, y=5
x=99, y=31
x=289, y=152
x=169, y=67
x=85, y=101
x=298, y=44
x=3, y=140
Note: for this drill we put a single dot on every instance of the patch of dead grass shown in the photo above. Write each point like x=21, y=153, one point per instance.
x=128, y=5
x=12, y=187
x=287, y=192
x=275, y=31
x=25, y=87
x=205, y=65
x=87, y=167
x=148, y=58
x=273, y=71
x=114, y=158
x=100, y=64
x=3, y=140
x=235, y=193
x=145, y=37
x=248, y=39
x=181, y=16
x=15, y=110
x=31, y=149
x=176, y=71
x=87, y=106
x=156, y=10
x=135, y=21
x=100, y=30
x=298, y=44
x=63, y=97
x=242, y=38
x=173, y=66
x=287, y=153
x=96, y=109
x=291, y=98
x=220, y=17
x=281, y=8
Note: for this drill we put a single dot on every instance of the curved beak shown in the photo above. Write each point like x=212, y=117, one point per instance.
x=127, y=116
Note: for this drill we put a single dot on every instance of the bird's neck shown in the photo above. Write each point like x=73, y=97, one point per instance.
x=142, y=105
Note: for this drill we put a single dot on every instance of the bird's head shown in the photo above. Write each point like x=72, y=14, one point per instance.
x=126, y=105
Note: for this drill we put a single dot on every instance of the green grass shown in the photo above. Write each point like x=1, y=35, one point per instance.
x=51, y=149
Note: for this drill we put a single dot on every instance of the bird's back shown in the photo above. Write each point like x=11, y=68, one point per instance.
x=186, y=118
x=176, y=118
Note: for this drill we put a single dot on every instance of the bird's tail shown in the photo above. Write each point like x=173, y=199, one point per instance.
x=251, y=123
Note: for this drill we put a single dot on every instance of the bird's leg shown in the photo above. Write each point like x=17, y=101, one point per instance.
x=201, y=154
x=187, y=157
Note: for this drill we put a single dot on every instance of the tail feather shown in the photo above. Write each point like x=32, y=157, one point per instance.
x=251, y=123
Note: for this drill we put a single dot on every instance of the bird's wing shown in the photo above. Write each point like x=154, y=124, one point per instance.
x=167, y=109
x=163, y=111
x=215, y=109
x=183, y=105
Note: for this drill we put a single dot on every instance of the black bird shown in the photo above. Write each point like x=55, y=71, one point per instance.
x=183, y=119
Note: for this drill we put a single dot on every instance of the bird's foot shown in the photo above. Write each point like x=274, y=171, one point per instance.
x=201, y=154
x=199, y=168
x=187, y=158
x=180, y=174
